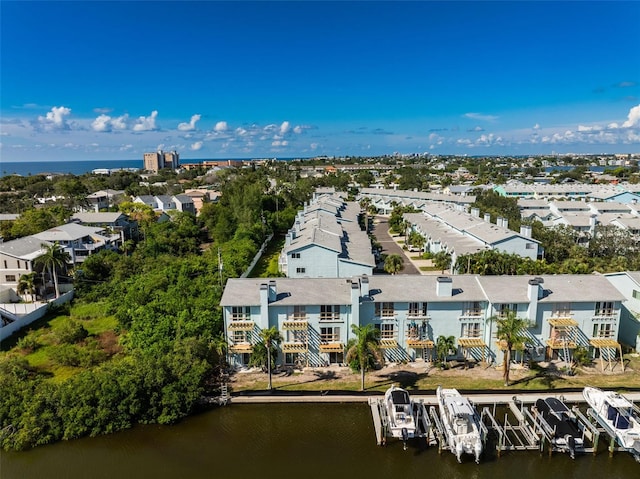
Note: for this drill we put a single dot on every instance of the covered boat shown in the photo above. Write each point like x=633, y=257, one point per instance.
x=618, y=414
x=461, y=423
x=565, y=433
x=399, y=407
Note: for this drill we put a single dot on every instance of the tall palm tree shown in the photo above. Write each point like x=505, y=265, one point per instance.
x=54, y=257
x=27, y=284
x=442, y=260
x=393, y=264
x=271, y=337
x=511, y=332
x=219, y=345
x=366, y=348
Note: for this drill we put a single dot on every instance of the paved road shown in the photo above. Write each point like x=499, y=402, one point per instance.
x=381, y=232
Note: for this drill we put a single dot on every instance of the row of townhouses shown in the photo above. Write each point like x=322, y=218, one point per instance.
x=622, y=192
x=326, y=241
x=315, y=315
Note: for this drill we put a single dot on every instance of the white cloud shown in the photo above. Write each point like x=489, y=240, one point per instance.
x=297, y=130
x=536, y=126
x=221, y=126
x=588, y=129
x=279, y=143
x=196, y=146
x=241, y=131
x=106, y=123
x=633, y=119
x=55, y=119
x=480, y=116
x=126, y=147
x=285, y=127
x=146, y=123
x=191, y=125
x=314, y=146
x=102, y=110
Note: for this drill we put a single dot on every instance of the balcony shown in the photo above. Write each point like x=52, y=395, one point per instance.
x=472, y=314
x=417, y=343
x=329, y=316
x=606, y=314
x=332, y=347
x=417, y=315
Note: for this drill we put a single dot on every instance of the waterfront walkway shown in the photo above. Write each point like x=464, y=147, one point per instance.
x=429, y=399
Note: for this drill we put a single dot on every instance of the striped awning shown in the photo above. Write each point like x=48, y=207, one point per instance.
x=471, y=343
x=241, y=348
x=241, y=326
x=332, y=348
x=294, y=348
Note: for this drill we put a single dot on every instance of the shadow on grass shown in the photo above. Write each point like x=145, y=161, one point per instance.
x=548, y=376
x=405, y=379
x=319, y=376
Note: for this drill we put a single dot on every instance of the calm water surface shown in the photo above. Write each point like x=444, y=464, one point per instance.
x=282, y=441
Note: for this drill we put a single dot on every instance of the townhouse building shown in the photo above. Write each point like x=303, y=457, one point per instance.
x=315, y=315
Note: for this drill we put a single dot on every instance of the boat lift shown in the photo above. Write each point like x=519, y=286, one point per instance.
x=601, y=426
x=381, y=421
x=440, y=436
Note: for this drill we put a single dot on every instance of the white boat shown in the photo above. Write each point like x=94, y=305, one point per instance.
x=618, y=414
x=561, y=425
x=461, y=423
x=400, y=414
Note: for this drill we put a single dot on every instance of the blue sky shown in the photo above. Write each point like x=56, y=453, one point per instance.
x=111, y=80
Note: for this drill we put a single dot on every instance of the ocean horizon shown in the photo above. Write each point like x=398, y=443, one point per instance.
x=81, y=167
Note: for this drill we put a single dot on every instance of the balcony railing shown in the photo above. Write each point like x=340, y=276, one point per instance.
x=417, y=315
x=297, y=317
x=240, y=317
x=329, y=316
x=606, y=313
x=472, y=313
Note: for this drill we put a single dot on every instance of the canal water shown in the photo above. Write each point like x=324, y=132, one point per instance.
x=285, y=441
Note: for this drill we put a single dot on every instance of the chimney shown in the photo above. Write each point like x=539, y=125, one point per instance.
x=525, y=230
x=592, y=224
x=505, y=223
x=355, y=305
x=273, y=290
x=535, y=293
x=475, y=212
x=487, y=217
x=287, y=239
x=364, y=286
x=264, y=305
x=444, y=286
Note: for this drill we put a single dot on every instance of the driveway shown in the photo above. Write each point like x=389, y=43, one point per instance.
x=381, y=231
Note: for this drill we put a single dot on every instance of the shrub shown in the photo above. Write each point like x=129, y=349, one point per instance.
x=70, y=332
x=28, y=343
x=581, y=356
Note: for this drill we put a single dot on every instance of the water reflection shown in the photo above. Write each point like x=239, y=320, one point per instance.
x=282, y=441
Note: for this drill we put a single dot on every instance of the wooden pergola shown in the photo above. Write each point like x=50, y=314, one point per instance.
x=388, y=343
x=600, y=343
x=562, y=335
x=470, y=343
x=332, y=348
x=241, y=348
x=296, y=346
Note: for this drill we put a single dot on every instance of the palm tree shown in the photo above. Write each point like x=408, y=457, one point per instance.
x=393, y=264
x=444, y=345
x=219, y=345
x=442, y=260
x=54, y=257
x=511, y=332
x=271, y=337
x=26, y=284
x=365, y=348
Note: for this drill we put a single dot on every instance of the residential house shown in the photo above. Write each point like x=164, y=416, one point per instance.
x=628, y=283
x=78, y=240
x=116, y=222
x=17, y=257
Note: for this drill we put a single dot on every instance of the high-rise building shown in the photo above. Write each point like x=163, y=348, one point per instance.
x=159, y=160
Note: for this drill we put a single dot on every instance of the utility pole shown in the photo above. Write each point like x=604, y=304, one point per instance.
x=220, y=266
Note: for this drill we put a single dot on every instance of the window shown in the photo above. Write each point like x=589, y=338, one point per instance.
x=299, y=314
x=387, y=330
x=295, y=255
x=11, y=278
x=293, y=336
x=636, y=294
x=301, y=270
x=336, y=358
x=471, y=330
x=240, y=313
x=330, y=334
x=530, y=246
x=5, y=264
x=241, y=337
x=18, y=264
x=417, y=310
x=329, y=312
x=385, y=310
x=603, y=330
x=562, y=310
x=604, y=308
x=504, y=309
x=472, y=308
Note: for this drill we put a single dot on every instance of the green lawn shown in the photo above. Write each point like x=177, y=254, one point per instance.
x=267, y=265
